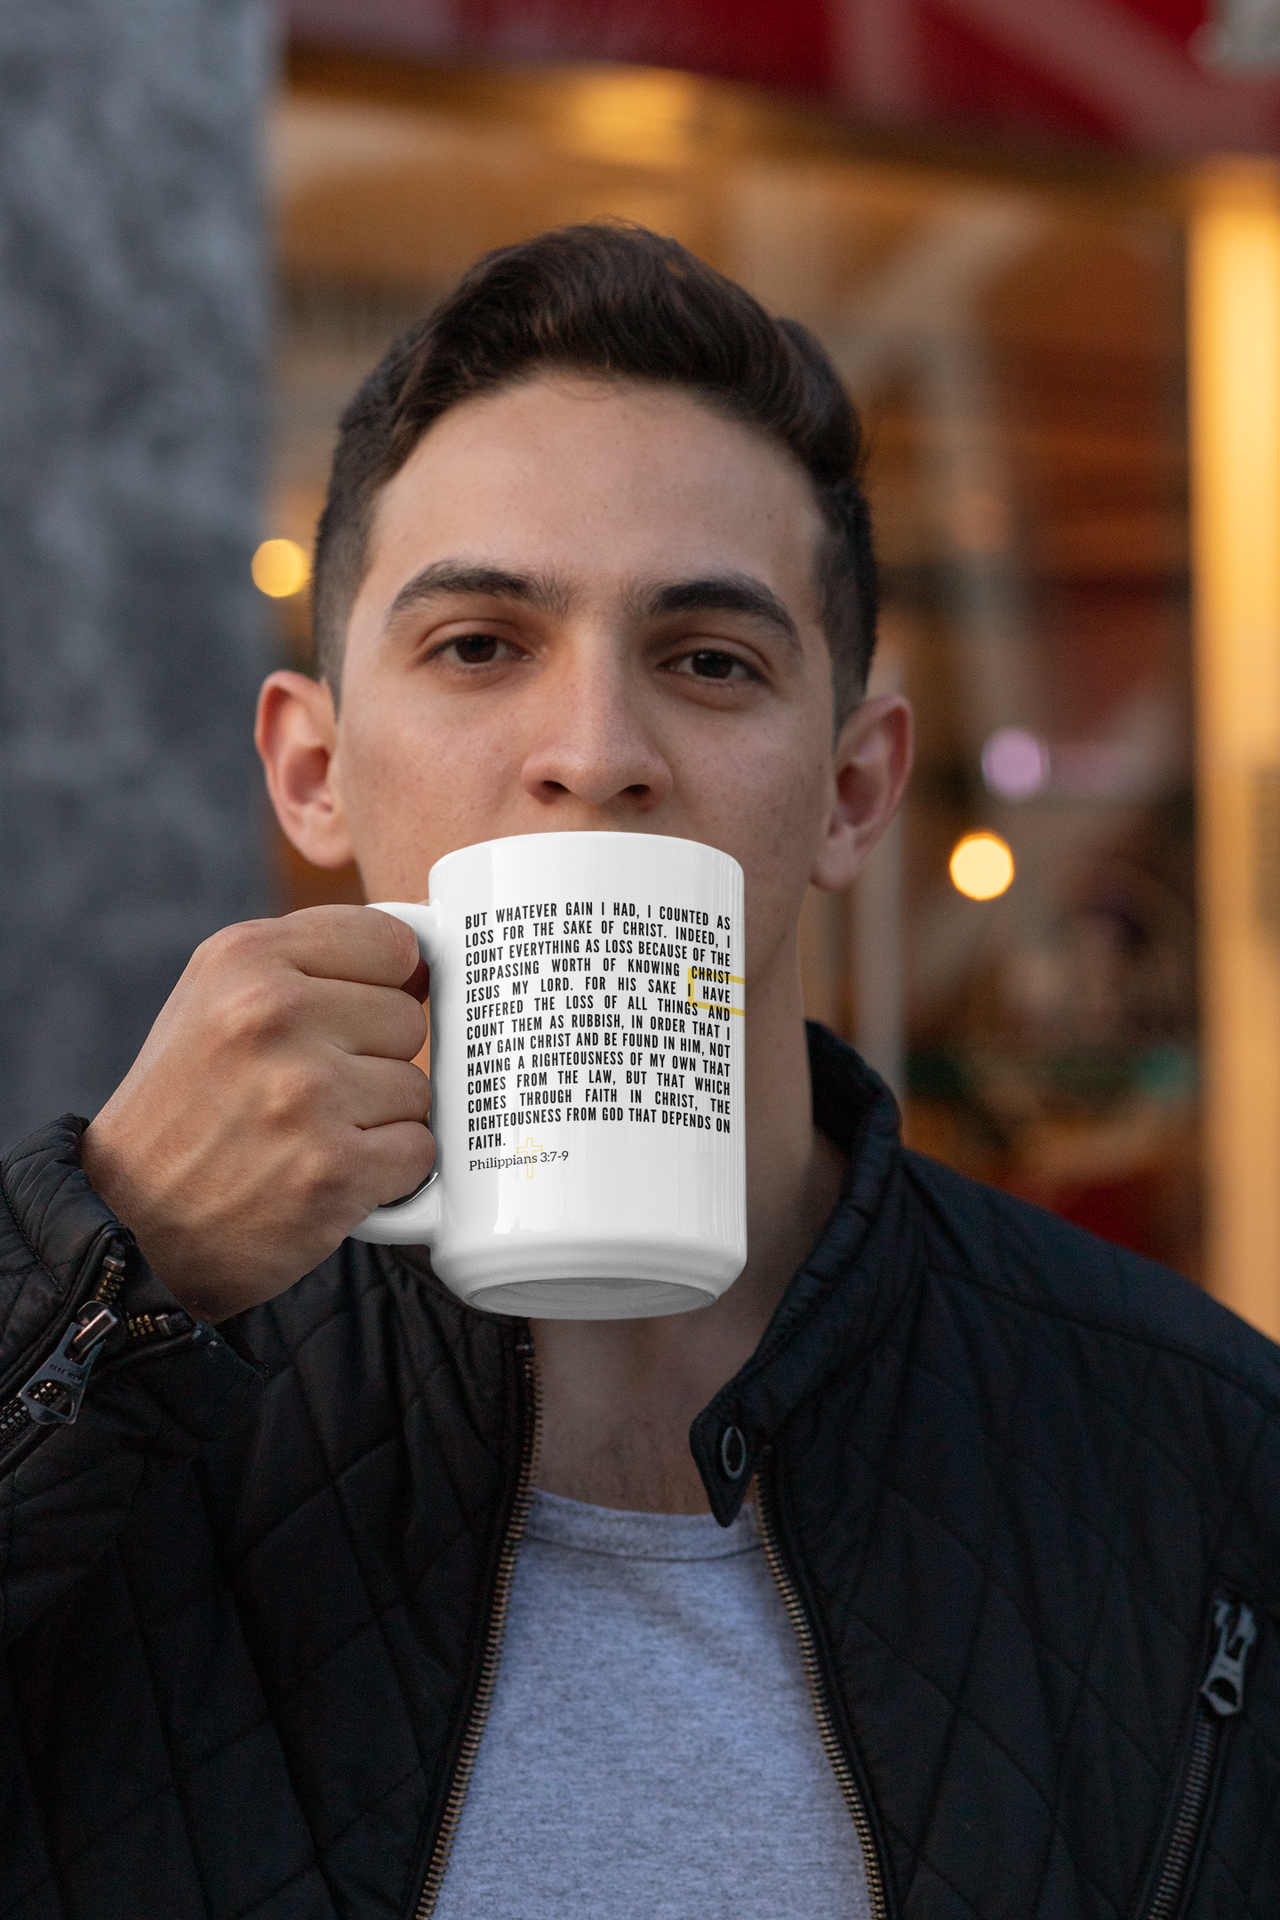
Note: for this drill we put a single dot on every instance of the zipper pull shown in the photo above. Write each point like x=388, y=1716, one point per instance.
x=1237, y=1630
x=52, y=1395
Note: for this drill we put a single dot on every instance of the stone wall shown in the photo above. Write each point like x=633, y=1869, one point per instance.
x=132, y=329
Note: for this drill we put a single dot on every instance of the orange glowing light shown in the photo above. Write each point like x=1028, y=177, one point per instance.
x=981, y=866
x=279, y=568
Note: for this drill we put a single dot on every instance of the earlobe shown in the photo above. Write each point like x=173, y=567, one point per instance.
x=296, y=738
x=871, y=764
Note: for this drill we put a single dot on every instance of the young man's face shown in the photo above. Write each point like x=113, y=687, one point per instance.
x=588, y=605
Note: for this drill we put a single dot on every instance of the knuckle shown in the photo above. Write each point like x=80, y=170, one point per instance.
x=255, y=1012
x=292, y=1091
x=320, y=1175
x=231, y=945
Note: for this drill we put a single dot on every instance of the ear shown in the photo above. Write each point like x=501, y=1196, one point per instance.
x=871, y=764
x=296, y=735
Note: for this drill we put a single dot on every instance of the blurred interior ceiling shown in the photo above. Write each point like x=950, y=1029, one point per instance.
x=1158, y=77
x=389, y=178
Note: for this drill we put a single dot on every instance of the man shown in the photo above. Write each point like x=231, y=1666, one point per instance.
x=932, y=1571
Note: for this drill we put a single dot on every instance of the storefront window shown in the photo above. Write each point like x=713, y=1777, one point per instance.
x=1014, y=338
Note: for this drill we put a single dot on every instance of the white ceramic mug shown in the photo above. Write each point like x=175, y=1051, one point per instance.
x=587, y=1076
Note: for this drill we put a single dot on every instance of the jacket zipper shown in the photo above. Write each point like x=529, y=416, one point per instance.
x=483, y=1696
x=818, y=1694
x=1220, y=1698
x=53, y=1394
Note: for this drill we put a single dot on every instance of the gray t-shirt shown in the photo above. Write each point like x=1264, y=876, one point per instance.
x=651, y=1751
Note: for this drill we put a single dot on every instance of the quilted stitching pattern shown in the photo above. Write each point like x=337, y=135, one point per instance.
x=1013, y=1510
x=243, y=1710
x=1011, y=1465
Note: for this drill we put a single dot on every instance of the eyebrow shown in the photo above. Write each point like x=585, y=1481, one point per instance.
x=551, y=594
x=545, y=592
x=720, y=593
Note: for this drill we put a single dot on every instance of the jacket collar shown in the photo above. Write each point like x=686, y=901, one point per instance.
x=841, y=1297
x=836, y=1304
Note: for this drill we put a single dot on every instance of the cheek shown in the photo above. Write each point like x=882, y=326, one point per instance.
x=391, y=778
x=416, y=785
x=775, y=819
x=398, y=758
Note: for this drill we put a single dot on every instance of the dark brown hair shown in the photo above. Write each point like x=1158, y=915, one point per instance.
x=621, y=302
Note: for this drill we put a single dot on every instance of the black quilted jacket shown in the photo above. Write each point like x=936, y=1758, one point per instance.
x=1022, y=1493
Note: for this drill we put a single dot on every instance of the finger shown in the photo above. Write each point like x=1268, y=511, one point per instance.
x=351, y=943
x=380, y=1021
x=393, y=1163
x=381, y=1093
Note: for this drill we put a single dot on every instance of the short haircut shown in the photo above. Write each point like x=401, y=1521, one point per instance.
x=615, y=301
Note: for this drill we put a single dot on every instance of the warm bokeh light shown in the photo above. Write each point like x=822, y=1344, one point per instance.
x=981, y=866
x=280, y=567
x=1234, y=289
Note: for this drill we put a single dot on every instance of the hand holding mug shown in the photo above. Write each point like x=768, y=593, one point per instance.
x=273, y=1105
x=587, y=1013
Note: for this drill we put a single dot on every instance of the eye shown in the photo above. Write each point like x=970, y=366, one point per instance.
x=710, y=663
x=476, y=649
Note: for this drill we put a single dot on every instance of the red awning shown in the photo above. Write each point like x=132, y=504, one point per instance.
x=1133, y=74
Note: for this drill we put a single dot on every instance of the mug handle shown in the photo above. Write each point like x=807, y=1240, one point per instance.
x=410, y=1222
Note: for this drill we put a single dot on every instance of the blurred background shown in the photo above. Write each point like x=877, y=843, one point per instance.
x=1043, y=247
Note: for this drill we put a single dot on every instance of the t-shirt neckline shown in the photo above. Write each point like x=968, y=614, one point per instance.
x=558, y=1522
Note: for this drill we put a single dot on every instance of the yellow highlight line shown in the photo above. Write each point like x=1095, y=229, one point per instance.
x=713, y=1006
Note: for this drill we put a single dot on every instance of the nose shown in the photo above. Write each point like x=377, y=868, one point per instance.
x=594, y=744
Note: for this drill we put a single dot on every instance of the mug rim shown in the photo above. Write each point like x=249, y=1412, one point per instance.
x=577, y=833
